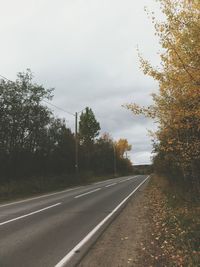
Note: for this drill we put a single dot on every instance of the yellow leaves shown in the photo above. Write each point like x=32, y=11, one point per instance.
x=176, y=106
x=137, y=110
x=122, y=147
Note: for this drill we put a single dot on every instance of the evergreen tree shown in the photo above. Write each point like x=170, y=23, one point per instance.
x=89, y=127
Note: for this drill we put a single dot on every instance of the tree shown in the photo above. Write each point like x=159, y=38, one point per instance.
x=122, y=147
x=102, y=157
x=176, y=106
x=32, y=141
x=105, y=160
x=89, y=127
x=60, y=147
x=22, y=117
x=21, y=113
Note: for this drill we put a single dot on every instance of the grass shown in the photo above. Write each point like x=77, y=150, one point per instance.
x=23, y=188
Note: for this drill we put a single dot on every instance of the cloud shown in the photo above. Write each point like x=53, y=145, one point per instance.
x=86, y=50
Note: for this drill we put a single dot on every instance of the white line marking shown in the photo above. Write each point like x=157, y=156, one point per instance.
x=121, y=181
x=103, y=181
x=69, y=255
x=130, y=178
x=100, y=182
x=51, y=194
x=110, y=185
x=29, y=214
x=88, y=192
x=33, y=198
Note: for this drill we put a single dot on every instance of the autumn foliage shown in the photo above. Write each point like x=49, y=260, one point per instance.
x=176, y=106
x=122, y=147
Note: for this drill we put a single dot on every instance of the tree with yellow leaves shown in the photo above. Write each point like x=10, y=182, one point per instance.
x=176, y=107
x=122, y=147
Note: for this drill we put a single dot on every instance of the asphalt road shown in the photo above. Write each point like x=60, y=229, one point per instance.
x=47, y=231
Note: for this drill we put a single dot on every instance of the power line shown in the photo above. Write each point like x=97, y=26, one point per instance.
x=76, y=127
x=81, y=110
x=45, y=100
x=6, y=78
x=58, y=107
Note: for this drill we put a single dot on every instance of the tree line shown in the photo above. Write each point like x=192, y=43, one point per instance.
x=176, y=106
x=33, y=142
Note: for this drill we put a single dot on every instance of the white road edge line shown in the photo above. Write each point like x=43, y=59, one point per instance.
x=33, y=198
x=29, y=214
x=110, y=184
x=81, y=195
x=70, y=254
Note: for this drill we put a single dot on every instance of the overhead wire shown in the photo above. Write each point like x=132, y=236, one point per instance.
x=58, y=107
x=5, y=78
x=70, y=113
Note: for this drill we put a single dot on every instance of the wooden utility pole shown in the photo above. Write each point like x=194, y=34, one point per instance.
x=115, y=160
x=76, y=145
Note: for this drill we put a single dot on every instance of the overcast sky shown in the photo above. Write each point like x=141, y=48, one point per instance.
x=87, y=51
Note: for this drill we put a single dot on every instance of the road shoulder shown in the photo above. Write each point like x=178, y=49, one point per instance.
x=118, y=245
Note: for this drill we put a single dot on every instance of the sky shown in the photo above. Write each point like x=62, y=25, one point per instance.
x=87, y=51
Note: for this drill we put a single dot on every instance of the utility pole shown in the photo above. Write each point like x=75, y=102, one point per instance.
x=76, y=144
x=115, y=161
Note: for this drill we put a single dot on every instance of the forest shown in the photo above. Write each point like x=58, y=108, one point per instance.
x=34, y=143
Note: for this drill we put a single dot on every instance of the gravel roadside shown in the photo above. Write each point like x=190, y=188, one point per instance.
x=120, y=244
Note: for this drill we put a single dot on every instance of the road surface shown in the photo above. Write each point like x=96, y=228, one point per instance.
x=51, y=229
